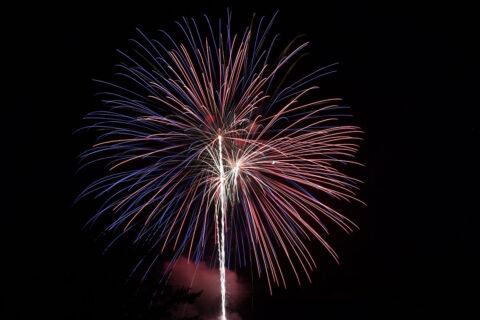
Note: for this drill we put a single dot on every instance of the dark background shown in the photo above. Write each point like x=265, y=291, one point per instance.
x=410, y=73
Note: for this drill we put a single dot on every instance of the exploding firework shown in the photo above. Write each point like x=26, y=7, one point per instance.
x=215, y=147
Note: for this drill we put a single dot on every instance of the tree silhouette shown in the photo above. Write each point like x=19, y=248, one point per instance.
x=158, y=302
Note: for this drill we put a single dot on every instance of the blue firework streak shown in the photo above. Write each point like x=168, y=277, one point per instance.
x=210, y=124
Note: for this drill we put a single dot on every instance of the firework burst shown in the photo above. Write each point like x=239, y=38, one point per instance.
x=210, y=144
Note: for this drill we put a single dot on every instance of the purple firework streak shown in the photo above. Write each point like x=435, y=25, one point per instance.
x=212, y=149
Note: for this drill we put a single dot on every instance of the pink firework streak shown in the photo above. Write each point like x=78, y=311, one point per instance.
x=216, y=148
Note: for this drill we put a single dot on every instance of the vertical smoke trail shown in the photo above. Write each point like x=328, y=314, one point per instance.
x=221, y=230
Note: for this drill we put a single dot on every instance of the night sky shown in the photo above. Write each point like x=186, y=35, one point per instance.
x=410, y=74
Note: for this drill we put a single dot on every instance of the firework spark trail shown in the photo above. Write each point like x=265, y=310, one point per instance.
x=214, y=125
x=221, y=230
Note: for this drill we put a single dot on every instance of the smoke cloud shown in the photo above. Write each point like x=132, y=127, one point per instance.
x=199, y=277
